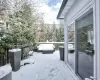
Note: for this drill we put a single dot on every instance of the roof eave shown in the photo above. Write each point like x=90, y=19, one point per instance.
x=61, y=8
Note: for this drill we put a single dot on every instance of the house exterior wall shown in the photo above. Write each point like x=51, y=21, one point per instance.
x=77, y=10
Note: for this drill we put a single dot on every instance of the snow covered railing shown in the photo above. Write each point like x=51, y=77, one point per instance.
x=50, y=42
x=54, y=42
x=6, y=72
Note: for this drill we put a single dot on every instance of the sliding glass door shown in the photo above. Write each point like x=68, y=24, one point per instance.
x=85, y=46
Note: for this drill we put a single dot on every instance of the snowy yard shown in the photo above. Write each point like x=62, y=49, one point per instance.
x=46, y=67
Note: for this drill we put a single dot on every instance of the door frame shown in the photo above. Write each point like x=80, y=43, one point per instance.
x=96, y=10
x=76, y=41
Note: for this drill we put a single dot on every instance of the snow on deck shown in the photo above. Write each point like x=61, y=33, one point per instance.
x=46, y=67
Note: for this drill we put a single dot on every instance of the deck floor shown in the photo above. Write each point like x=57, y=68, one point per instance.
x=46, y=67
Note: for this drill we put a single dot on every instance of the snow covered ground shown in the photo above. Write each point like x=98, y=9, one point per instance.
x=46, y=67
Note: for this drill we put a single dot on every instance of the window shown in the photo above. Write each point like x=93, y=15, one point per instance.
x=85, y=46
x=71, y=56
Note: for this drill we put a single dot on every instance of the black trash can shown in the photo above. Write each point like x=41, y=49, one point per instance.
x=15, y=59
x=61, y=50
x=35, y=49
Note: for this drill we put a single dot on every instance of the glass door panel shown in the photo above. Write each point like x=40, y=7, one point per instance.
x=85, y=46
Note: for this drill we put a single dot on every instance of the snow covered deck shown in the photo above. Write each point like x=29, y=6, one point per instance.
x=46, y=67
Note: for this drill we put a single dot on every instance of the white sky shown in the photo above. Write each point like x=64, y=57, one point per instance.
x=50, y=12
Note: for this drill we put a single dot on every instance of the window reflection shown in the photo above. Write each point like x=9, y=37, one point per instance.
x=85, y=46
x=71, y=36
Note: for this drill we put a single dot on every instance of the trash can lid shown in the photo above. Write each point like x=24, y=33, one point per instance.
x=14, y=50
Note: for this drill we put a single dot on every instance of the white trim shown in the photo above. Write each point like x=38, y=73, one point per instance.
x=85, y=9
x=67, y=8
x=66, y=42
x=71, y=23
x=97, y=38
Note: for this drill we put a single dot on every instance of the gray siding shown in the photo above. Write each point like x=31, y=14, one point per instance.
x=75, y=10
